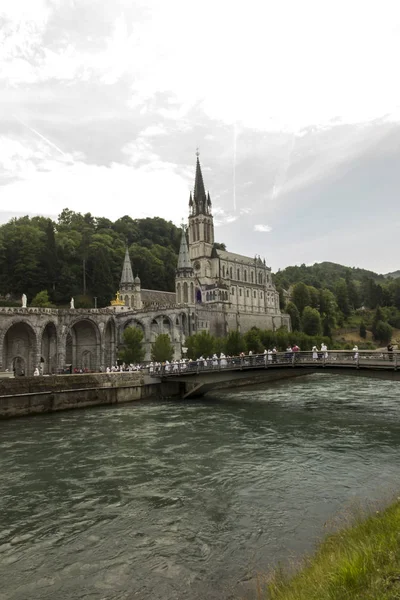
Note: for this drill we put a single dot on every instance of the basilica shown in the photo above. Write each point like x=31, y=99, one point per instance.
x=215, y=291
x=222, y=291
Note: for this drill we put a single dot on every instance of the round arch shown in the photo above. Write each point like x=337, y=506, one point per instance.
x=83, y=345
x=19, y=341
x=48, y=348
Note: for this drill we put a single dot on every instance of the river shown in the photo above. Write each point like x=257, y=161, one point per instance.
x=187, y=500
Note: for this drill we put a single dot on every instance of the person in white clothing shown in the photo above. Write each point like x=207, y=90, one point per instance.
x=315, y=353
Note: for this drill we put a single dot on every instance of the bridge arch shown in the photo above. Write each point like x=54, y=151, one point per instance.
x=83, y=345
x=19, y=344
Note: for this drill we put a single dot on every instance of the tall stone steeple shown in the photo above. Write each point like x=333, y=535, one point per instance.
x=127, y=280
x=201, y=225
x=130, y=286
x=184, y=264
x=184, y=280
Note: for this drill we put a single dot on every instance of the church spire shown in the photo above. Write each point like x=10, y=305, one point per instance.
x=199, y=194
x=127, y=274
x=184, y=263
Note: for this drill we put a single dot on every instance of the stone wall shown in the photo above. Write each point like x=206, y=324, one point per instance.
x=34, y=395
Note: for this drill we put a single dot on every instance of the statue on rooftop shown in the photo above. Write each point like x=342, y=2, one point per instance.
x=24, y=300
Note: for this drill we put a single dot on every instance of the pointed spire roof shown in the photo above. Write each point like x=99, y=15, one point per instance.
x=184, y=263
x=199, y=194
x=127, y=274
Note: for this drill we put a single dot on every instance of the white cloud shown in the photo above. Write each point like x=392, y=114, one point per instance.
x=262, y=228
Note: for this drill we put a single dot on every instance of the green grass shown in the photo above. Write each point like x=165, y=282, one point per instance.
x=360, y=562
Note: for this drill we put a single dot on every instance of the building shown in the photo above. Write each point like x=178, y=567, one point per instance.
x=222, y=291
x=215, y=291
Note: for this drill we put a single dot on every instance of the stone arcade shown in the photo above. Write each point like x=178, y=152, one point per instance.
x=215, y=291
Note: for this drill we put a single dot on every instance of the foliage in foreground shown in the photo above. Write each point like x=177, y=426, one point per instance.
x=132, y=351
x=256, y=340
x=361, y=562
x=162, y=349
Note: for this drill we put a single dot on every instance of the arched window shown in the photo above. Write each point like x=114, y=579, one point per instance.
x=247, y=293
x=185, y=293
x=240, y=292
x=197, y=231
x=223, y=270
x=178, y=293
x=261, y=295
x=252, y=276
x=255, y=295
x=245, y=275
x=207, y=296
x=192, y=293
x=230, y=273
x=238, y=275
x=260, y=277
x=233, y=291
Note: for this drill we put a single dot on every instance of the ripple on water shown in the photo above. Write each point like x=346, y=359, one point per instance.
x=171, y=500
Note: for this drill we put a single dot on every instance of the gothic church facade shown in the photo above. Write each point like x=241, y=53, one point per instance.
x=220, y=290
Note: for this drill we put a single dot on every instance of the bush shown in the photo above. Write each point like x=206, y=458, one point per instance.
x=162, y=348
x=311, y=321
x=363, y=330
x=133, y=351
x=383, y=332
x=42, y=300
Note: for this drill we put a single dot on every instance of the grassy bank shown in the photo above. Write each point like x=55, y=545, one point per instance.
x=361, y=562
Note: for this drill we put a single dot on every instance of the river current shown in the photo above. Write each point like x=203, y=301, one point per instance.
x=188, y=500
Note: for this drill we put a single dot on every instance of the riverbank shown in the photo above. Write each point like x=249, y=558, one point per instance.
x=35, y=395
x=360, y=562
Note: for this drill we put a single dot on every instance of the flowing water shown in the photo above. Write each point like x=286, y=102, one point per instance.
x=187, y=500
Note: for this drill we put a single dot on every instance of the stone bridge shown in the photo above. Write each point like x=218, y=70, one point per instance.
x=199, y=377
x=84, y=338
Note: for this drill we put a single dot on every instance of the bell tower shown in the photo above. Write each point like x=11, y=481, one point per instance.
x=201, y=225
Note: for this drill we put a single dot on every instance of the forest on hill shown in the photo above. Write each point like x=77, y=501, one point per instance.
x=82, y=255
x=326, y=297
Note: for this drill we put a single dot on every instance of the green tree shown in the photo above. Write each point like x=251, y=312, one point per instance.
x=235, y=343
x=314, y=296
x=383, y=332
x=363, y=330
x=342, y=297
x=252, y=341
x=200, y=344
x=301, y=296
x=378, y=317
x=132, y=351
x=162, y=349
x=42, y=300
x=293, y=311
x=311, y=321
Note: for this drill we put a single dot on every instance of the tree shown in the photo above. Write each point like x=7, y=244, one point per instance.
x=162, y=349
x=235, y=343
x=342, y=297
x=42, y=300
x=378, y=316
x=200, y=344
x=314, y=296
x=293, y=311
x=383, y=332
x=252, y=340
x=133, y=351
x=311, y=321
x=301, y=296
x=363, y=330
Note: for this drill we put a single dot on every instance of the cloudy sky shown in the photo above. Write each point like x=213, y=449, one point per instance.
x=295, y=107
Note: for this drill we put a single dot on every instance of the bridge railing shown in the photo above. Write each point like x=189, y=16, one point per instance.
x=345, y=358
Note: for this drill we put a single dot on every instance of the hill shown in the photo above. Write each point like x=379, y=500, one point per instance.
x=393, y=275
x=323, y=275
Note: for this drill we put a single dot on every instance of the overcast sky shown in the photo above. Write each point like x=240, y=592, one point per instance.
x=295, y=107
